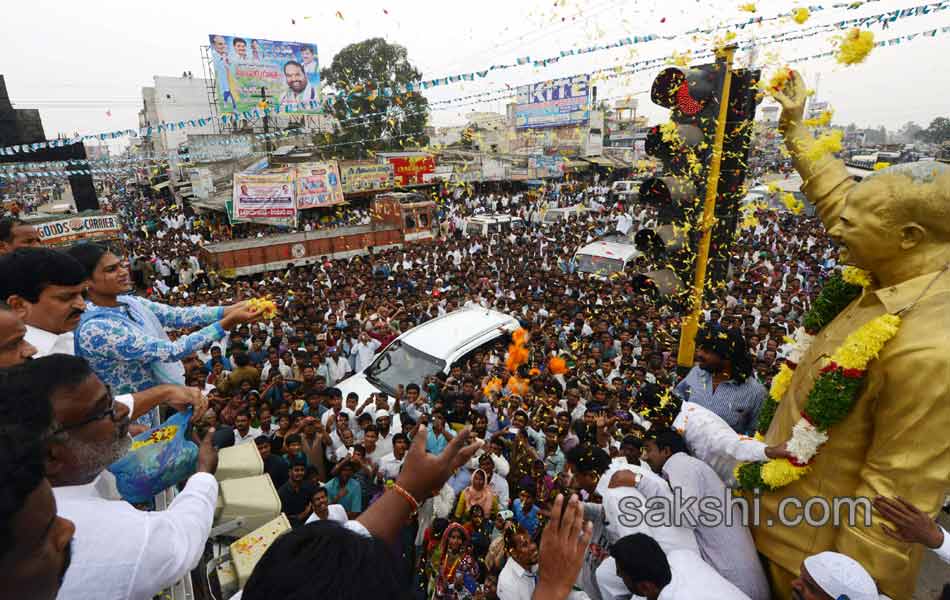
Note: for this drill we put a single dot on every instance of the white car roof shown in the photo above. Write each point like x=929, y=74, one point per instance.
x=444, y=336
x=492, y=218
x=614, y=250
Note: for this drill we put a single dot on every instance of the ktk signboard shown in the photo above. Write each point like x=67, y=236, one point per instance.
x=553, y=103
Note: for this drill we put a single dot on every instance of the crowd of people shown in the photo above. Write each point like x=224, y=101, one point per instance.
x=465, y=473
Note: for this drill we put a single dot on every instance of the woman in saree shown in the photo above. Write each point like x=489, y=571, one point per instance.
x=456, y=574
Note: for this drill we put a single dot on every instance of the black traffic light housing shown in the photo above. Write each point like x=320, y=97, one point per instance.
x=685, y=147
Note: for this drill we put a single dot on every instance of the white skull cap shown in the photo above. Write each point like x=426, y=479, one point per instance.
x=841, y=577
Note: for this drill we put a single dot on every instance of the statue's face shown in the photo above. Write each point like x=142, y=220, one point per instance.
x=867, y=238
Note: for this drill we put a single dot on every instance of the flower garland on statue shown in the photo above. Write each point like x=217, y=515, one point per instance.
x=834, y=391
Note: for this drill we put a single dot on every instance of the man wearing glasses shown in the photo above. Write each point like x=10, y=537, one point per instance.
x=119, y=551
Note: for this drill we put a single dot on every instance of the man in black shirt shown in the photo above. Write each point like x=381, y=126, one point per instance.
x=458, y=404
x=295, y=494
x=274, y=466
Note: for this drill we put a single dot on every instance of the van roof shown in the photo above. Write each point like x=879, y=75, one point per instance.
x=602, y=249
x=444, y=336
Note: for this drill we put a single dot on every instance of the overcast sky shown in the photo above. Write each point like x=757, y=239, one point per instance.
x=77, y=60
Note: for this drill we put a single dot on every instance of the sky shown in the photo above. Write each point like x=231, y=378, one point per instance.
x=83, y=63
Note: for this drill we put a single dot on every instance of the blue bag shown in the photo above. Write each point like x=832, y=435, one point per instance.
x=159, y=458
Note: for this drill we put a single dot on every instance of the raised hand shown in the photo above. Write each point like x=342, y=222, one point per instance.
x=793, y=97
x=424, y=474
x=563, y=546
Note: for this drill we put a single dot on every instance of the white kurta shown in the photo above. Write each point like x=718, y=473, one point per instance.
x=122, y=552
x=726, y=545
x=713, y=441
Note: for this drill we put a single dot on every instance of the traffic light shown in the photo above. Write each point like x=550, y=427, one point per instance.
x=685, y=147
x=704, y=149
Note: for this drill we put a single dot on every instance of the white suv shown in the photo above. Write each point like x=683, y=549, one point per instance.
x=427, y=349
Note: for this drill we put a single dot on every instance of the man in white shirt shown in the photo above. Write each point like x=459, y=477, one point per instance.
x=520, y=575
x=649, y=572
x=322, y=510
x=363, y=351
x=726, y=544
x=243, y=432
x=390, y=464
x=337, y=367
x=299, y=91
x=44, y=288
x=275, y=363
x=119, y=551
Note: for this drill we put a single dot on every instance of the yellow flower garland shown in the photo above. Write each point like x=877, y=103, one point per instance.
x=863, y=346
x=780, y=472
x=780, y=382
x=855, y=353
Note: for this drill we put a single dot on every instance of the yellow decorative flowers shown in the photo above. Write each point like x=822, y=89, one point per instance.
x=863, y=345
x=856, y=276
x=822, y=120
x=779, y=79
x=827, y=143
x=159, y=435
x=267, y=306
x=680, y=60
x=855, y=47
x=800, y=15
x=793, y=204
x=780, y=382
x=748, y=7
x=781, y=472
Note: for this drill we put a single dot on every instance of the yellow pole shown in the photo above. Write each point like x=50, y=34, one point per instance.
x=690, y=326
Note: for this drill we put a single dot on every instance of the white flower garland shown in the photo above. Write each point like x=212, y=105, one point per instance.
x=806, y=439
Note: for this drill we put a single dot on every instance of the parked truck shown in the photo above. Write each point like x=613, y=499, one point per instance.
x=396, y=219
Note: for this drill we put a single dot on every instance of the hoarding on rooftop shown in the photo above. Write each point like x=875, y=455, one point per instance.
x=288, y=72
x=553, y=103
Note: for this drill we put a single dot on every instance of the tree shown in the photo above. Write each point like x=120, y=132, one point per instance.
x=937, y=132
x=908, y=132
x=368, y=118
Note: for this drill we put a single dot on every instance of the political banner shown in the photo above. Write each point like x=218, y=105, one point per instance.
x=265, y=197
x=287, y=71
x=318, y=184
x=553, y=103
x=545, y=166
x=72, y=229
x=409, y=170
x=358, y=176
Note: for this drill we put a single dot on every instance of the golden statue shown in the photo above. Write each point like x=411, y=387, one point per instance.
x=896, y=439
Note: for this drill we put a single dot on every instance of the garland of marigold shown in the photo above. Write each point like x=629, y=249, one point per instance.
x=832, y=396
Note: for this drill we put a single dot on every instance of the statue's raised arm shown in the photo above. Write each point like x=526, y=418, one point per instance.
x=825, y=179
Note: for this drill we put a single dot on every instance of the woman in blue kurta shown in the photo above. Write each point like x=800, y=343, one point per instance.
x=123, y=337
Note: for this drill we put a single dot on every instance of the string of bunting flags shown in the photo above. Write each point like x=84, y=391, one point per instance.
x=631, y=41
x=640, y=66
x=885, y=19
x=130, y=168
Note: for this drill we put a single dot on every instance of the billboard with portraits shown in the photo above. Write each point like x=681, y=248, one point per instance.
x=288, y=72
x=265, y=197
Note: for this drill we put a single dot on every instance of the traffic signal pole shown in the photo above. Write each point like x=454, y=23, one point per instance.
x=689, y=329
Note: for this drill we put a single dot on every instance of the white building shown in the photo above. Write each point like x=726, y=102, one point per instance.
x=174, y=99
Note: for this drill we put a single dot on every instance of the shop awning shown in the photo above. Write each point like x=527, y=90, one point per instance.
x=576, y=165
x=603, y=161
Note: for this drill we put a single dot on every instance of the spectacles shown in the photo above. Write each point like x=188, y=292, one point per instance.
x=108, y=412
